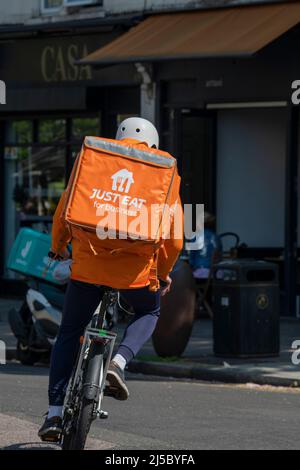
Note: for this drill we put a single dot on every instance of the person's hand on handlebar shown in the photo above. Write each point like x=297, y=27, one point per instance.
x=165, y=285
x=62, y=256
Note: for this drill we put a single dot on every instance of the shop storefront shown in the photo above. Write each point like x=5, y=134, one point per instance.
x=221, y=104
x=231, y=141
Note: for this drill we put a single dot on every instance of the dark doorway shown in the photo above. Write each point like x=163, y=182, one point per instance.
x=116, y=103
x=194, y=147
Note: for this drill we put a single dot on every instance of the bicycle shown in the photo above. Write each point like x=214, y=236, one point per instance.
x=86, y=388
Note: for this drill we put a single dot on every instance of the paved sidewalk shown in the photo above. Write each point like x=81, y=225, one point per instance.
x=198, y=361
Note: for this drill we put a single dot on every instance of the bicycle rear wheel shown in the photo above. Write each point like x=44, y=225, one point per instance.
x=75, y=438
x=67, y=441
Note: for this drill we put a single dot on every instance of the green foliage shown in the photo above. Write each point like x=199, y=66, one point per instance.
x=85, y=126
x=52, y=130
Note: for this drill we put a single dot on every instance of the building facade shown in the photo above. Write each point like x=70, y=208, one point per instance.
x=226, y=118
x=51, y=103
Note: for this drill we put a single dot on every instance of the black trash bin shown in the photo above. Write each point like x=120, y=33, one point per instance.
x=246, y=308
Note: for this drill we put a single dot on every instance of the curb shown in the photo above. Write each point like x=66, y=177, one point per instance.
x=207, y=372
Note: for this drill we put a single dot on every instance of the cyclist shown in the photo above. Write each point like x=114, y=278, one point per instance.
x=83, y=295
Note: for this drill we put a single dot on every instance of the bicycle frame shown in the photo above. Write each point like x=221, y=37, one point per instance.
x=91, y=335
x=101, y=336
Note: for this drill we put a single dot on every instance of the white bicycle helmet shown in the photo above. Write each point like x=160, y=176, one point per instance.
x=139, y=129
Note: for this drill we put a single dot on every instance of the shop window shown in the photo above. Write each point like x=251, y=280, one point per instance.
x=82, y=127
x=51, y=6
x=36, y=179
x=75, y=3
x=38, y=156
x=19, y=132
x=52, y=130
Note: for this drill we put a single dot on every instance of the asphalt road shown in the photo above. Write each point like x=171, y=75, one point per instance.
x=160, y=414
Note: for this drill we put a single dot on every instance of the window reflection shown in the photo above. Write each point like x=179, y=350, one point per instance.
x=52, y=130
x=52, y=4
x=82, y=127
x=38, y=179
x=19, y=132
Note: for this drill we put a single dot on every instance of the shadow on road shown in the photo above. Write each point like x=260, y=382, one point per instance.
x=31, y=446
x=19, y=369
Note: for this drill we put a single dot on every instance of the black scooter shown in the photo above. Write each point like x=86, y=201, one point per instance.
x=36, y=323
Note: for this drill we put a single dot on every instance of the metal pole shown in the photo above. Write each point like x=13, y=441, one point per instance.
x=2, y=197
x=291, y=208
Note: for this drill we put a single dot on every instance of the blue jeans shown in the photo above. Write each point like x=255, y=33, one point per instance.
x=81, y=301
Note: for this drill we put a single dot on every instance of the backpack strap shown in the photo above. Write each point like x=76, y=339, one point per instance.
x=154, y=281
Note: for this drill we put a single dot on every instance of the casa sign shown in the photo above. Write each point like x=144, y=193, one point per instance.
x=58, y=63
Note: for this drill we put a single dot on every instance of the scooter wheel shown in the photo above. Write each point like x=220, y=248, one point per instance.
x=25, y=355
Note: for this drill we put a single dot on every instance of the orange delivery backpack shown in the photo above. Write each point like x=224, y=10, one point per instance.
x=121, y=197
